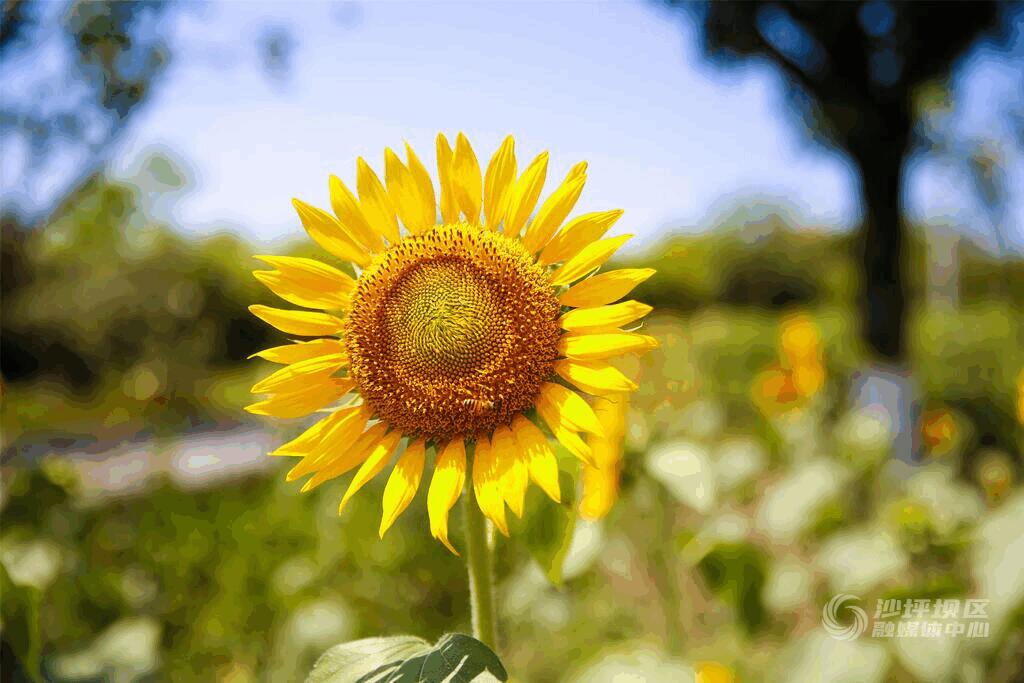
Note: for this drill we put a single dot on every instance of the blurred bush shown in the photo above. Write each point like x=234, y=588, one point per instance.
x=114, y=319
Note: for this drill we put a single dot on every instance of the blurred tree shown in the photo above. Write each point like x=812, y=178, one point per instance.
x=109, y=288
x=63, y=115
x=854, y=69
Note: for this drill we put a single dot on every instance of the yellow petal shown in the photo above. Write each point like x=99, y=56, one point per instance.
x=572, y=410
x=514, y=475
x=555, y=209
x=465, y=171
x=449, y=205
x=303, y=323
x=402, y=484
x=372, y=466
x=595, y=346
x=298, y=375
x=500, y=176
x=540, y=457
x=601, y=483
x=425, y=186
x=594, y=377
x=310, y=272
x=405, y=195
x=604, y=288
x=445, y=488
x=293, y=353
x=328, y=233
x=600, y=491
x=578, y=233
x=570, y=439
x=401, y=191
x=304, y=401
x=590, y=257
x=523, y=197
x=577, y=171
x=375, y=203
x=350, y=215
x=342, y=456
x=344, y=430
x=307, y=441
x=299, y=295
x=487, y=484
x=598, y=317
x=305, y=282
x=565, y=436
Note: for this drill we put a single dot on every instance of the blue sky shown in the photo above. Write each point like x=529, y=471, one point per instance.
x=619, y=85
x=670, y=138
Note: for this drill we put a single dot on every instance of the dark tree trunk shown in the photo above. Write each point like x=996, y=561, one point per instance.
x=881, y=157
x=861, y=77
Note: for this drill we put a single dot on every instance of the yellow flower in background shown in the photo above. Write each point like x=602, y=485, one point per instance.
x=799, y=375
x=713, y=672
x=909, y=516
x=995, y=473
x=939, y=430
x=799, y=338
x=477, y=328
x=774, y=390
x=800, y=343
x=600, y=481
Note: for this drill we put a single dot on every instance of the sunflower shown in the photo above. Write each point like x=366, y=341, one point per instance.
x=464, y=335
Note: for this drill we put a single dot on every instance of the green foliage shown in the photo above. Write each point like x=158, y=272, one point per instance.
x=753, y=259
x=546, y=528
x=247, y=574
x=243, y=578
x=455, y=658
x=120, y=324
x=21, y=624
x=737, y=573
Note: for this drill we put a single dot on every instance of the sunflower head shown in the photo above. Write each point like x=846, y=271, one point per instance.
x=478, y=324
x=452, y=332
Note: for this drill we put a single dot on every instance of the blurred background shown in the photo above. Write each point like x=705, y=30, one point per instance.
x=832, y=196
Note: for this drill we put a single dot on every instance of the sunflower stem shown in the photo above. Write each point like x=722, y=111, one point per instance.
x=480, y=562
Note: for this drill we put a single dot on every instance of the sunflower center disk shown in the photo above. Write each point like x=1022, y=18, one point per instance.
x=442, y=320
x=452, y=332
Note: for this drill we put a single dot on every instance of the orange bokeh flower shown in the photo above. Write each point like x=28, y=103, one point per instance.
x=800, y=373
x=939, y=430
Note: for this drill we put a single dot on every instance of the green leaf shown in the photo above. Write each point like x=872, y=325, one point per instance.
x=456, y=658
x=20, y=609
x=353, y=661
x=547, y=527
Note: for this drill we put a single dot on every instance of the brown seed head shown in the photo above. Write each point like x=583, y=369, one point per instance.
x=452, y=332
